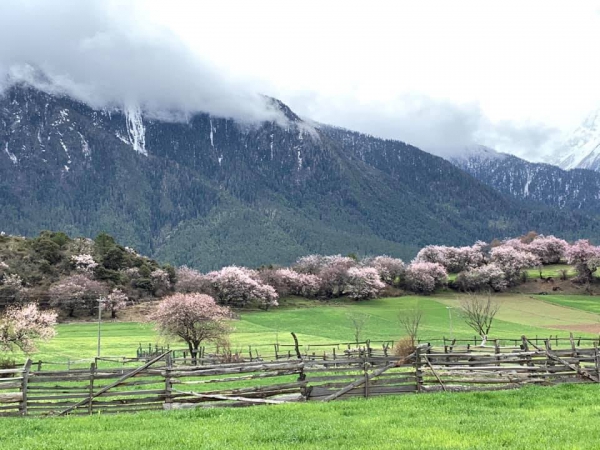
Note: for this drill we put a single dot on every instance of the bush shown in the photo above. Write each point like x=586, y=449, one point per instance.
x=403, y=349
x=47, y=249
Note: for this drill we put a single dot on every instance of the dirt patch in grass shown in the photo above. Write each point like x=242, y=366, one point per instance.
x=137, y=313
x=583, y=327
x=555, y=287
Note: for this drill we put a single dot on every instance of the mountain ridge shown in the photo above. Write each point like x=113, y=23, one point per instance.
x=212, y=191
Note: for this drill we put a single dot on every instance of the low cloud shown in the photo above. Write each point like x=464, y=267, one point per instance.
x=105, y=54
x=440, y=127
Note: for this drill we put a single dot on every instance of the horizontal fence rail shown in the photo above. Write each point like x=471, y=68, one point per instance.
x=168, y=382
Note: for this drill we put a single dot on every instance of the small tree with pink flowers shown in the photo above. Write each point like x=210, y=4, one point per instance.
x=549, y=249
x=194, y=318
x=363, y=283
x=484, y=278
x=512, y=261
x=115, y=302
x=238, y=286
x=586, y=259
x=287, y=281
x=334, y=274
x=389, y=269
x=76, y=291
x=425, y=277
x=190, y=280
x=21, y=327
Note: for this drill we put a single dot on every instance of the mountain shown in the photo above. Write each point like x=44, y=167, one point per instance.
x=582, y=149
x=568, y=190
x=210, y=191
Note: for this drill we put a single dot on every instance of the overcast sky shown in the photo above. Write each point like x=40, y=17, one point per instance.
x=439, y=74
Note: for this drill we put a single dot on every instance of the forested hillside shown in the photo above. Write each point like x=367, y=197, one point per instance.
x=209, y=191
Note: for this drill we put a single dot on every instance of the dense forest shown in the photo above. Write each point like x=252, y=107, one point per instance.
x=210, y=192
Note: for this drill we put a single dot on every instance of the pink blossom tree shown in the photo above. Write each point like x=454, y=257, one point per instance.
x=310, y=264
x=237, y=286
x=13, y=281
x=512, y=261
x=548, y=249
x=425, y=277
x=584, y=256
x=84, y=263
x=115, y=302
x=454, y=259
x=21, y=327
x=389, y=269
x=334, y=274
x=76, y=291
x=432, y=254
x=517, y=244
x=288, y=281
x=194, y=318
x=190, y=280
x=363, y=283
x=161, y=281
x=488, y=277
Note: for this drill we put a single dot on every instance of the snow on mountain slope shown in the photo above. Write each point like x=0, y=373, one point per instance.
x=545, y=183
x=582, y=149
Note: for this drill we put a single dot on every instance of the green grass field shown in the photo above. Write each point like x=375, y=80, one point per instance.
x=328, y=322
x=557, y=417
x=561, y=417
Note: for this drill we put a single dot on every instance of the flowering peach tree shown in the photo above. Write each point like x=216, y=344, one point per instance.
x=237, y=286
x=194, y=318
x=21, y=327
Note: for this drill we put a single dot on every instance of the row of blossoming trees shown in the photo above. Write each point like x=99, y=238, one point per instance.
x=480, y=267
x=197, y=305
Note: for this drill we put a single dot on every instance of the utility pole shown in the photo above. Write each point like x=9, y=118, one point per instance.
x=100, y=301
x=449, y=308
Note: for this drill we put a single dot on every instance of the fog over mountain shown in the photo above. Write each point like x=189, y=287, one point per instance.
x=106, y=55
x=109, y=53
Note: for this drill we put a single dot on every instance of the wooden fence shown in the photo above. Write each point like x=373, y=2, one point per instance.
x=164, y=382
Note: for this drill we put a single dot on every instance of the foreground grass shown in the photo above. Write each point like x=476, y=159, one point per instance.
x=561, y=417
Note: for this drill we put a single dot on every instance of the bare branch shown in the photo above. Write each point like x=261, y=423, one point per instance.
x=358, y=322
x=479, y=313
x=411, y=322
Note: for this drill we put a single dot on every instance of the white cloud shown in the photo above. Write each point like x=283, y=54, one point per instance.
x=436, y=74
x=103, y=54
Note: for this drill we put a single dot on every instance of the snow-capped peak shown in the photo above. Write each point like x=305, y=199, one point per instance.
x=582, y=148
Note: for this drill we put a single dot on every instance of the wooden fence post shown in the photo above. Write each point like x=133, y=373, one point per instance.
x=418, y=373
x=296, y=346
x=24, y=383
x=168, y=385
x=597, y=361
x=573, y=348
x=91, y=389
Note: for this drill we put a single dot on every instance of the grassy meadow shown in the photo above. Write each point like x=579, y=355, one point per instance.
x=560, y=417
x=317, y=322
x=556, y=417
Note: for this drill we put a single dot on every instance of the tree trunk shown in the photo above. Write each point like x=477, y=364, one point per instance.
x=193, y=346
